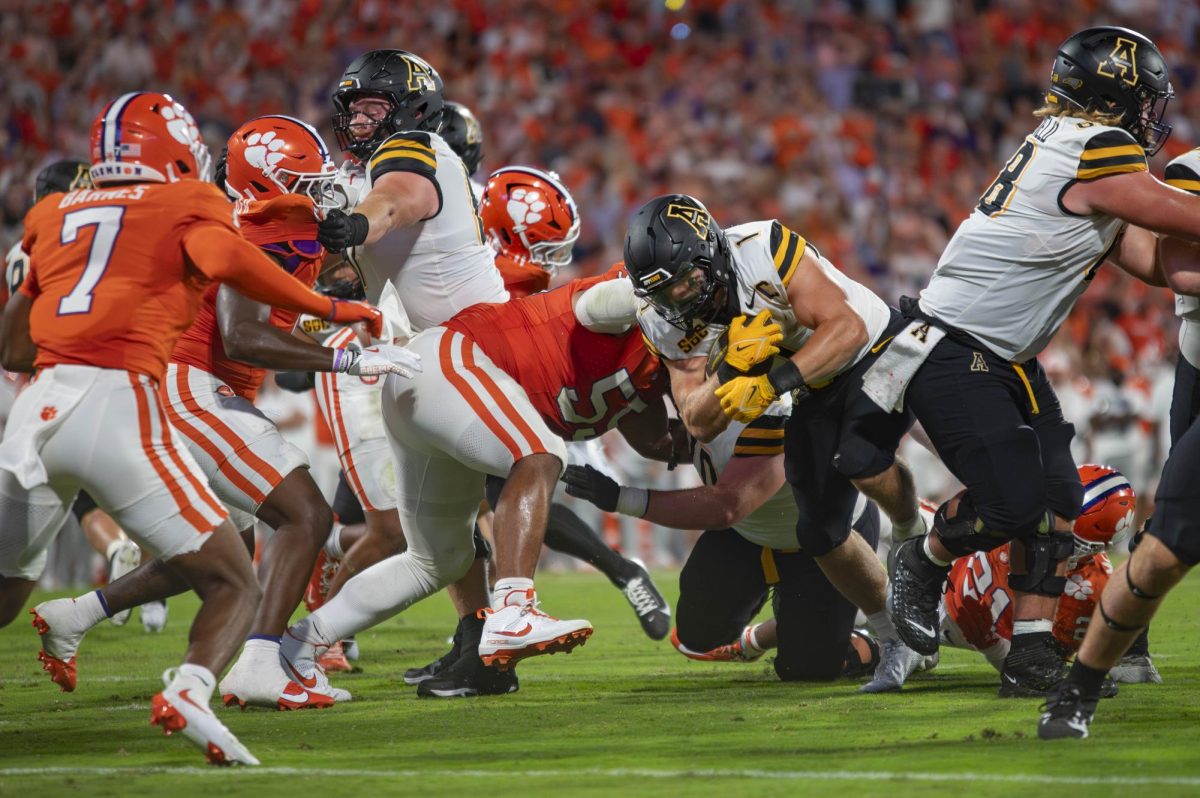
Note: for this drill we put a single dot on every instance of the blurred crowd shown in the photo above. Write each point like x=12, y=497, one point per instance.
x=871, y=126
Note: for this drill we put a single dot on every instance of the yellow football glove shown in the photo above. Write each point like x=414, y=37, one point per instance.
x=746, y=398
x=754, y=342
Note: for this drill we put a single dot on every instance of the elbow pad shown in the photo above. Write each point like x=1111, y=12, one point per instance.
x=609, y=307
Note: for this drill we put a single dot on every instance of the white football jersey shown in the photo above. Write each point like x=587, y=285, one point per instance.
x=1184, y=173
x=1014, y=268
x=765, y=256
x=774, y=523
x=439, y=266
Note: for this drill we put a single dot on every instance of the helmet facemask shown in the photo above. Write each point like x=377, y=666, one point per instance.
x=692, y=298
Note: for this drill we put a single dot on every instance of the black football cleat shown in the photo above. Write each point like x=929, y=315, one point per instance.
x=914, y=594
x=419, y=675
x=468, y=676
x=653, y=611
x=1067, y=713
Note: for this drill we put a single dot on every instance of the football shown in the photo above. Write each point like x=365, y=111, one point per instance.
x=716, y=355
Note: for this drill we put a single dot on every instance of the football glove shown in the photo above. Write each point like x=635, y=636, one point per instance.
x=339, y=231
x=346, y=312
x=376, y=360
x=753, y=342
x=585, y=482
x=746, y=398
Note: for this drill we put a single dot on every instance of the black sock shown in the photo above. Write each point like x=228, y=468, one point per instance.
x=1141, y=645
x=1088, y=679
x=567, y=533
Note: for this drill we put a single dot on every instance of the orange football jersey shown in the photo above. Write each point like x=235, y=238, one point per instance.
x=285, y=227
x=522, y=279
x=580, y=381
x=979, y=600
x=110, y=283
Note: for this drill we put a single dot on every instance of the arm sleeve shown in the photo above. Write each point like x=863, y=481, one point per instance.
x=228, y=258
x=1110, y=152
x=608, y=307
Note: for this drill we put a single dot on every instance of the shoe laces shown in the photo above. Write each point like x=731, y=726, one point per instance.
x=643, y=600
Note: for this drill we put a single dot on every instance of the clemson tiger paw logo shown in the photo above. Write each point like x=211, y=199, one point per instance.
x=180, y=124
x=1078, y=587
x=525, y=206
x=263, y=149
x=49, y=412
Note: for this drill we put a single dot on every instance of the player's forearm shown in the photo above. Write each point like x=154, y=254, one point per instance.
x=1179, y=261
x=263, y=345
x=705, y=507
x=701, y=412
x=831, y=347
x=388, y=211
x=17, y=350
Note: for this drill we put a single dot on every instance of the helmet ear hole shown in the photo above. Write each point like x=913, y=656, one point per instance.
x=182, y=167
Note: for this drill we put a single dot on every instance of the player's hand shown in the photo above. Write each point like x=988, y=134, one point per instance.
x=347, y=312
x=386, y=359
x=753, y=342
x=585, y=482
x=340, y=231
x=746, y=398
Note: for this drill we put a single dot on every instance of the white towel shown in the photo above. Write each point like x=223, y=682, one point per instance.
x=398, y=328
x=887, y=379
x=39, y=410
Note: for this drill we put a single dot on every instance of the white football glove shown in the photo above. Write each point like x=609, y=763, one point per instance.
x=379, y=359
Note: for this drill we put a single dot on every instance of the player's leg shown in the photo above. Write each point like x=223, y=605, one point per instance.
x=814, y=622
x=108, y=539
x=722, y=587
x=32, y=519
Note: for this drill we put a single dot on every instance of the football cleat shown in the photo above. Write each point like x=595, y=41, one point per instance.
x=124, y=556
x=154, y=616
x=653, y=611
x=1067, y=713
x=517, y=631
x=418, y=675
x=736, y=651
x=174, y=710
x=896, y=663
x=309, y=675
x=1135, y=669
x=468, y=676
x=914, y=594
x=1035, y=671
x=53, y=621
x=334, y=659
x=252, y=681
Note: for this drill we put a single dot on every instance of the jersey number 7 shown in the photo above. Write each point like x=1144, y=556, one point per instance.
x=107, y=221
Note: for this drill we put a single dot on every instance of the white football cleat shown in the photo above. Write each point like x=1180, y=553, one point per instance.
x=517, y=631
x=61, y=630
x=896, y=663
x=260, y=681
x=308, y=675
x=123, y=556
x=175, y=710
x=154, y=616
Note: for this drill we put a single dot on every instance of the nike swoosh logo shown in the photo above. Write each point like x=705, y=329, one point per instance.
x=921, y=628
x=521, y=633
x=307, y=681
x=184, y=695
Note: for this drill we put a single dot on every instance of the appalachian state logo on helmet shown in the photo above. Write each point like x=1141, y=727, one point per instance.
x=420, y=75
x=696, y=218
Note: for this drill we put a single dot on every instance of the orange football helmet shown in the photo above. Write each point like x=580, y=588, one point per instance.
x=147, y=137
x=1108, y=507
x=275, y=155
x=530, y=216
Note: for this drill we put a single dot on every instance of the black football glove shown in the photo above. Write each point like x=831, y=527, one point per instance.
x=585, y=482
x=338, y=231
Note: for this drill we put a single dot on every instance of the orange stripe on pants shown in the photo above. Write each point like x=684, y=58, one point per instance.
x=464, y=389
x=333, y=411
x=201, y=488
x=489, y=385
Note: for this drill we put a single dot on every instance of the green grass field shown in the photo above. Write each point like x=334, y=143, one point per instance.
x=621, y=714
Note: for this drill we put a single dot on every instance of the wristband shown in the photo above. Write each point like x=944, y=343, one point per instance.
x=344, y=360
x=633, y=501
x=785, y=378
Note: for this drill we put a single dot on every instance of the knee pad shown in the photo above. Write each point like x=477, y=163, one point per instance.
x=1043, y=553
x=483, y=549
x=965, y=533
x=1004, y=473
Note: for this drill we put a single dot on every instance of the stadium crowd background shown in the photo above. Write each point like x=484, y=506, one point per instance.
x=871, y=126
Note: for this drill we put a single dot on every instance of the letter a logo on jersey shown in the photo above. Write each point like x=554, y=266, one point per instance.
x=696, y=218
x=1123, y=58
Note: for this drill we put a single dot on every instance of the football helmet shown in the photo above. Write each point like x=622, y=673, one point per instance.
x=275, y=155
x=680, y=262
x=529, y=216
x=1108, y=507
x=1115, y=71
x=61, y=176
x=411, y=87
x=147, y=137
x=462, y=132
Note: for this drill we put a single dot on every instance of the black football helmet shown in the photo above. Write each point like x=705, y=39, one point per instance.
x=672, y=241
x=462, y=132
x=1118, y=71
x=407, y=81
x=62, y=176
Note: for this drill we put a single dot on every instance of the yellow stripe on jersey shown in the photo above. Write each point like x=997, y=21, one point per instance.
x=786, y=277
x=755, y=432
x=758, y=451
x=1104, y=171
x=1186, y=185
x=413, y=154
x=1033, y=405
x=1113, y=152
x=781, y=250
x=404, y=143
x=653, y=349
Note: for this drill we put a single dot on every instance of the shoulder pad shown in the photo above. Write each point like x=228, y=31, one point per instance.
x=1110, y=151
x=1184, y=172
x=407, y=151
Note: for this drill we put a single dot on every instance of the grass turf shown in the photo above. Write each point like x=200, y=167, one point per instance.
x=619, y=714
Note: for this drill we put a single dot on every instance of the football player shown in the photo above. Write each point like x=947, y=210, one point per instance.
x=977, y=605
x=1075, y=193
x=696, y=279
x=1116, y=638
x=152, y=228
x=463, y=133
x=514, y=381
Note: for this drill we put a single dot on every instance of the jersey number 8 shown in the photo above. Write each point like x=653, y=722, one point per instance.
x=995, y=200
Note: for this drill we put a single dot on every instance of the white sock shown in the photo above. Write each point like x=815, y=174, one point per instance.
x=512, y=590
x=333, y=543
x=197, y=679
x=910, y=529
x=89, y=610
x=260, y=648
x=933, y=558
x=304, y=640
x=881, y=625
x=1032, y=627
x=372, y=596
x=750, y=641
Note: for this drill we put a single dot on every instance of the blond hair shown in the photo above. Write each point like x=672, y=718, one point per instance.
x=1052, y=107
